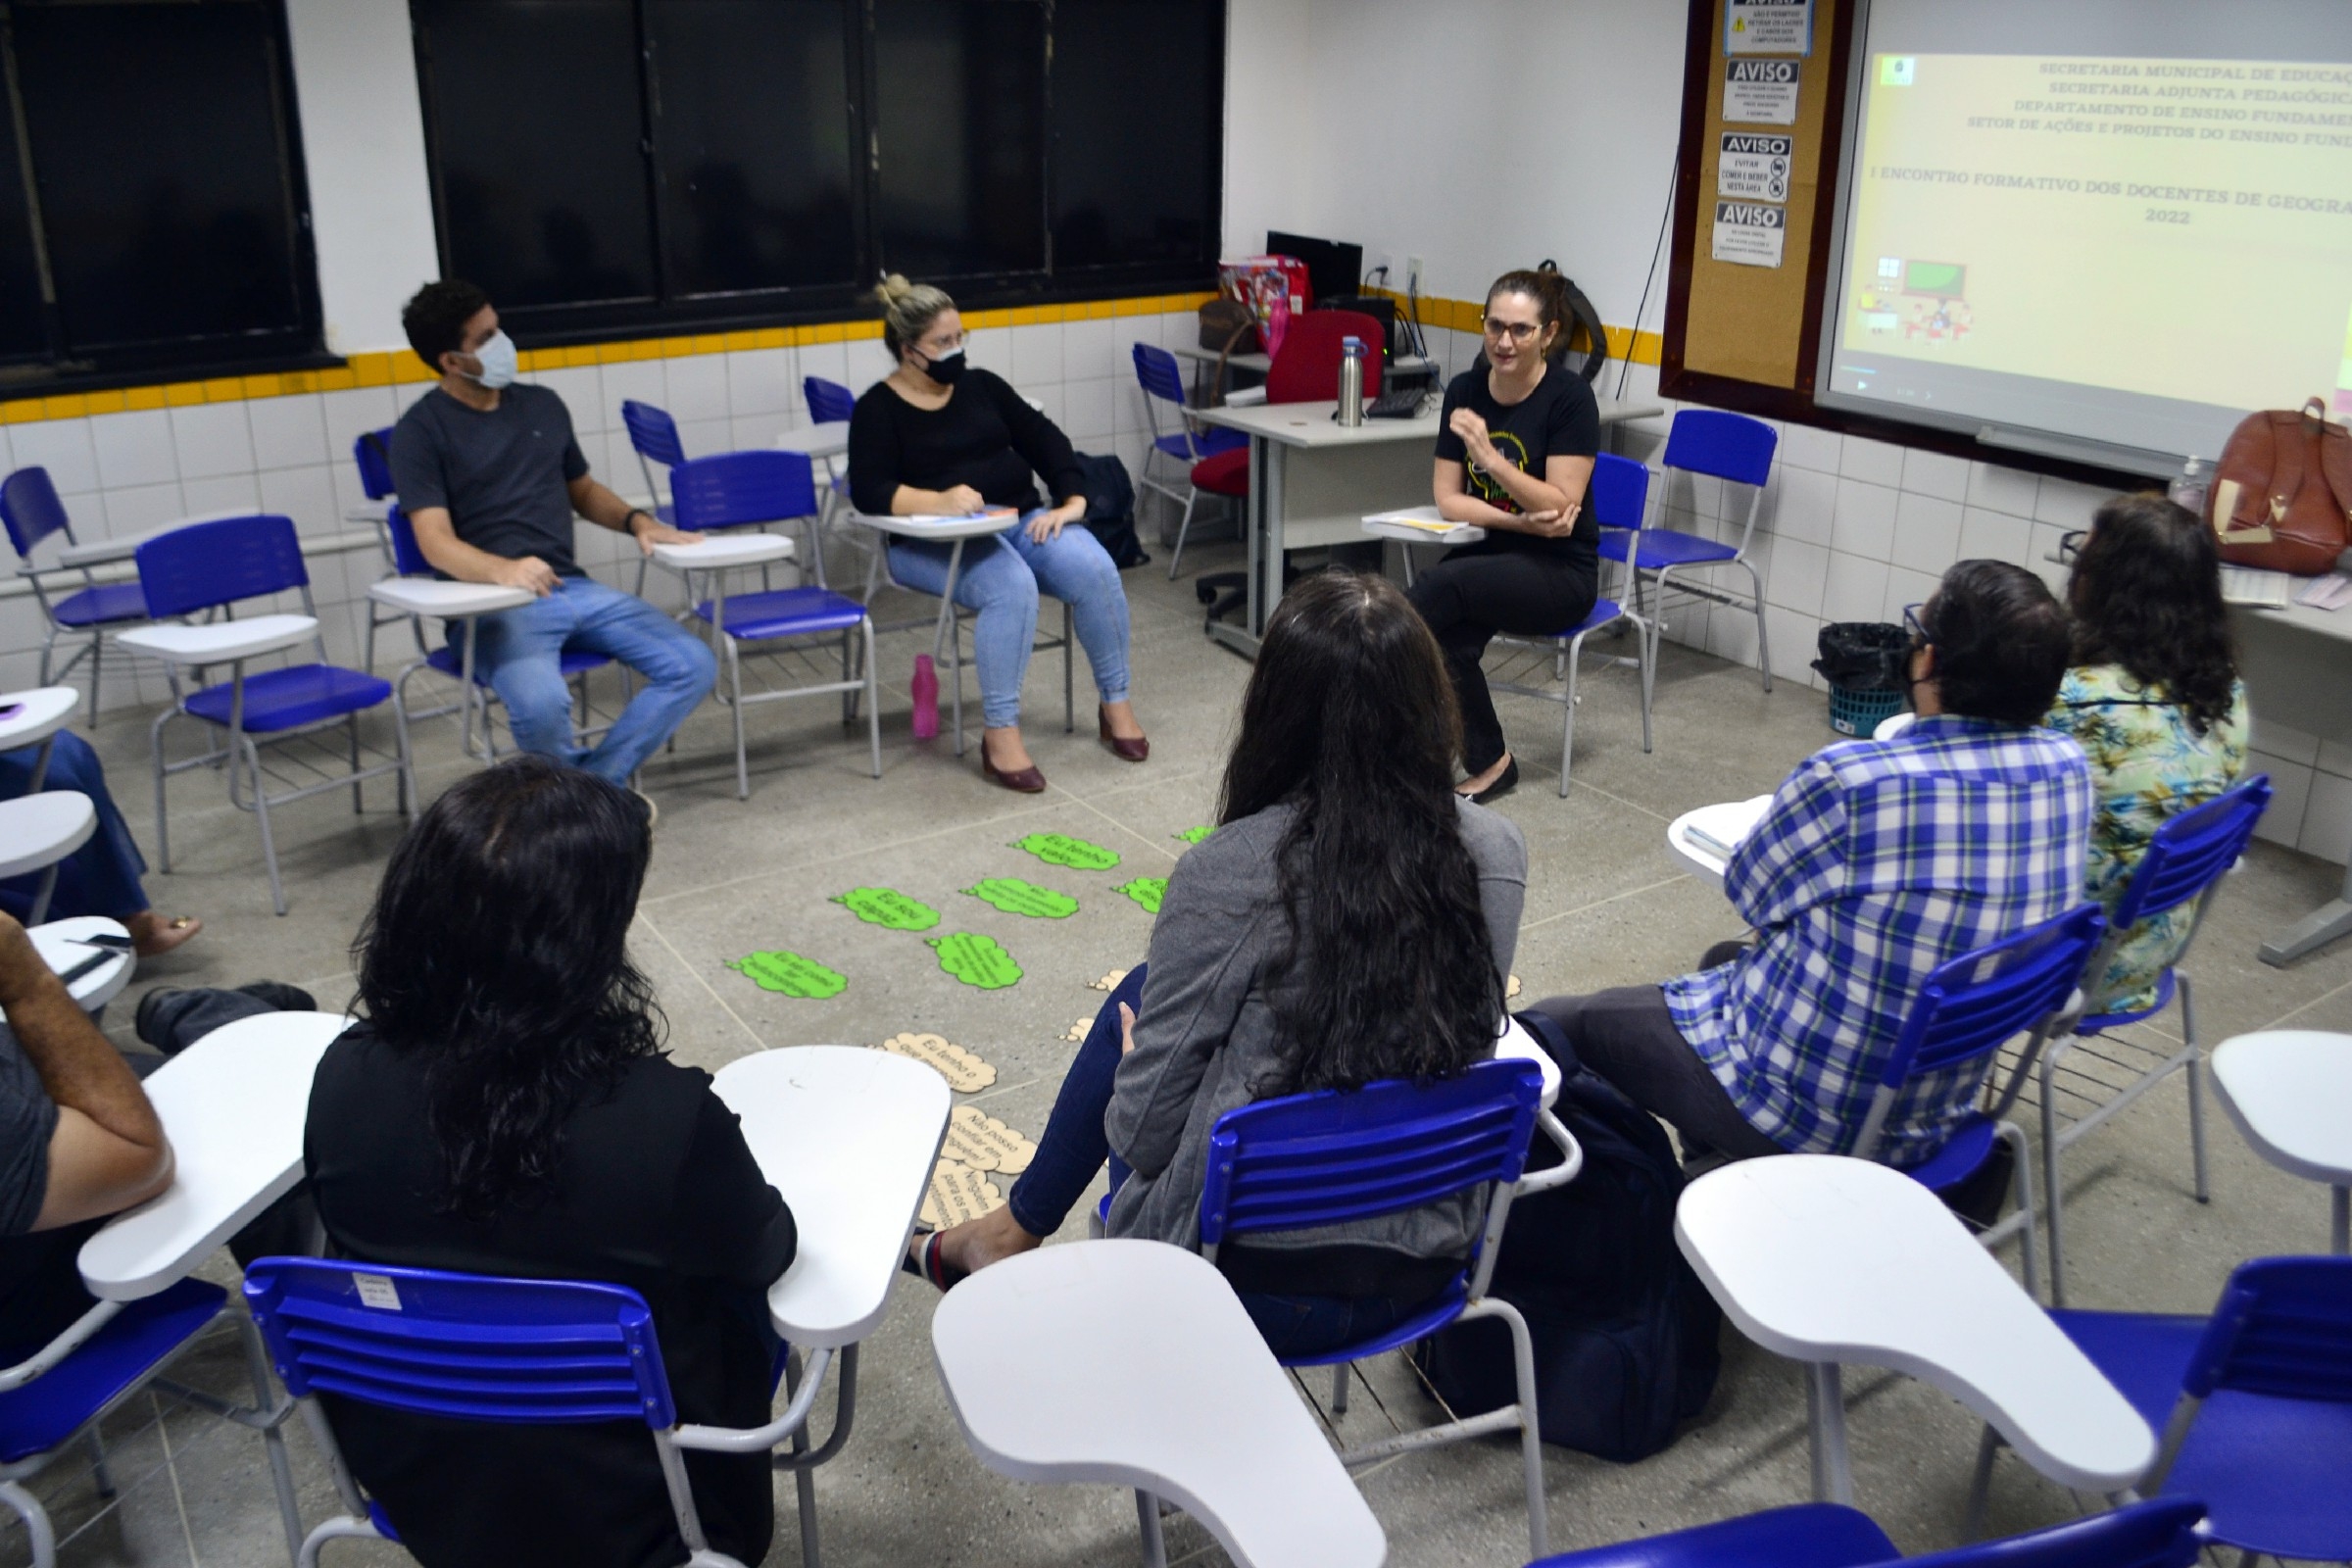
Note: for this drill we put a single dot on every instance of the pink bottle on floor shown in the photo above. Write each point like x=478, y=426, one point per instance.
x=926, y=697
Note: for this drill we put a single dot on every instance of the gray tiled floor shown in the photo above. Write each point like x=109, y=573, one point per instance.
x=1605, y=907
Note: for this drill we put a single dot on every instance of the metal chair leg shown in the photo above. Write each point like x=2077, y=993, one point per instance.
x=1339, y=1388
x=36, y=1523
x=1980, y=1488
x=2053, y=1194
x=1574, y=656
x=873, y=698
x=2196, y=1089
x=2023, y=1183
x=1147, y=1515
x=100, y=1476
x=1531, y=1441
x=1069, y=691
x=260, y=809
x=1184, y=525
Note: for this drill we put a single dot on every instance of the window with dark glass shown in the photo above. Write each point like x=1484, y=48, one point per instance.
x=152, y=213
x=606, y=165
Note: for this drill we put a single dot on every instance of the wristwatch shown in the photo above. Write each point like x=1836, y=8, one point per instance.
x=627, y=519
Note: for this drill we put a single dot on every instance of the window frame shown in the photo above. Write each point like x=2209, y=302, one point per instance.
x=61, y=368
x=671, y=314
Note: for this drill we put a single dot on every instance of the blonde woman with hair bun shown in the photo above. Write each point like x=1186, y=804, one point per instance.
x=936, y=436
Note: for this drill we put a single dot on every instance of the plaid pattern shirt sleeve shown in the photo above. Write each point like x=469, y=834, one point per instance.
x=1876, y=862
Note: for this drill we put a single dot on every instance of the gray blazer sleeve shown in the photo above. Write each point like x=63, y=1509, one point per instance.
x=1500, y=852
x=1206, y=949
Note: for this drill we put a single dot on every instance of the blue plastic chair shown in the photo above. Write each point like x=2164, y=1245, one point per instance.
x=459, y=664
x=1825, y=1535
x=57, y=1397
x=31, y=512
x=476, y=1347
x=828, y=400
x=2255, y=1403
x=1322, y=1159
x=741, y=489
x=1155, y=369
x=1724, y=446
x=372, y=454
x=214, y=565
x=1968, y=1008
x=2184, y=863
x=1618, y=495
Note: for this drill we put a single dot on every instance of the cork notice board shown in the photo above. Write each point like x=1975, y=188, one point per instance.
x=1754, y=325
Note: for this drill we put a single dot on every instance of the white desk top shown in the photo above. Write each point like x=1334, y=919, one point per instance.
x=1259, y=363
x=44, y=711
x=2289, y=1091
x=61, y=947
x=447, y=601
x=1735, y=817
x=233, y=1105
x=1517, y=1044
x=40, y=830
x=828, y=439
x=1310, y=424
x=977, y=525
x=1421, y=525
x=717, y=552
x=849, y=1137
x=1826, y=1260
x=221, y=642
x=1132, y=1364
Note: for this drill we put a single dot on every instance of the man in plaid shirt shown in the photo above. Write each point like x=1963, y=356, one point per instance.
x=1877, y=861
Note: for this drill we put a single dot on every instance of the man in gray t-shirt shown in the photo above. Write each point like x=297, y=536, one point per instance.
x=491, y=478
x=78, y=1142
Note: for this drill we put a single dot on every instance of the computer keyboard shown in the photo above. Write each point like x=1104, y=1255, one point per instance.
x=1404, y=405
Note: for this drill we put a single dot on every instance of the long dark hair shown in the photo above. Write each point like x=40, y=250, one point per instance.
x=496, y=951
x=1351, y=720
x=2146, y=594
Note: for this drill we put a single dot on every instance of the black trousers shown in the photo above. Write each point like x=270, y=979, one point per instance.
x=1483, y=589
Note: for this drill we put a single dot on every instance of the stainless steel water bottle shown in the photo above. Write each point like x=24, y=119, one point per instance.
x=1351, y=381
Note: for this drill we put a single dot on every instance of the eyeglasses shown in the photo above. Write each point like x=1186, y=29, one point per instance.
x=932, y=351
x=1915, y=626
x=1517, y=331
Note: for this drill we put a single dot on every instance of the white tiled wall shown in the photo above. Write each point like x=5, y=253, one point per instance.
x=1855, y=529
x=125, y=474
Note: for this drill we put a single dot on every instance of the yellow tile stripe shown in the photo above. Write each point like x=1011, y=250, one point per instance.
x=403, y=369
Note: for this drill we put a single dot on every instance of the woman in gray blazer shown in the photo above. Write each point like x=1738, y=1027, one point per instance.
x=1350, y=919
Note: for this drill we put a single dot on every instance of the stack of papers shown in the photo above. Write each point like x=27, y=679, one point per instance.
x=2251, y=585
x=2331, y=592
x=1718, y=830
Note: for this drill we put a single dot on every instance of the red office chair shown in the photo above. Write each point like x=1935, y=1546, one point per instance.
x=1306, y=370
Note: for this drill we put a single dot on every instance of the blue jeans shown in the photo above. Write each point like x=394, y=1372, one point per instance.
x=517, y=651
x=1073, y=1148
x=1001, y=578
x=102, y=877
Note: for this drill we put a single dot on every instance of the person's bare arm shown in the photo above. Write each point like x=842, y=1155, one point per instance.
x=437, y=537
x=1562, y=477
x=600, y=505
x=956, y=501
x=107, y=1151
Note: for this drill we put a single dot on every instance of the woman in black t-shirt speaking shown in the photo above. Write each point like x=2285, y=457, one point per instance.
x=1514, y=452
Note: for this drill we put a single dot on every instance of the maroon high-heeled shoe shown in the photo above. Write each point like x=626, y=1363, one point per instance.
x=1028, y=780
x=1122, y=747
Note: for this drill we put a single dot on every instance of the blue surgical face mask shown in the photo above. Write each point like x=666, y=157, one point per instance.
x=496, y=358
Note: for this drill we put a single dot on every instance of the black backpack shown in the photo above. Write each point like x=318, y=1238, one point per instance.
x=1110, y=509
x=1624, y=1333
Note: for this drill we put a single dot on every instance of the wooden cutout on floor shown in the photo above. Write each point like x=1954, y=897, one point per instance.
x=975, y=959
x=1511, y=990
x=1110, y=982
x=959, y=1193
x=1015, y=897
x=1076, y=1033
x=789, y=973
x=1060, y=849
x=964, y=1069
x=983, y=1143
x=1147, y=892
x=888, y=908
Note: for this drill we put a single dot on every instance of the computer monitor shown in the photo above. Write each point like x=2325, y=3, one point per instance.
x=1332, y=269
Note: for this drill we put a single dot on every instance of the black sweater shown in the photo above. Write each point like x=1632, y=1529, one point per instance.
x=985, y=437
x=657, y=1192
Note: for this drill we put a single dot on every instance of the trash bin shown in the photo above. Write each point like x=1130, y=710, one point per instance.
x=1863, y=662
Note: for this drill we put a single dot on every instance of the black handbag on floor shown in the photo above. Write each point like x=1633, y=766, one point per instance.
x=1624, y=1333
x=1110, y=509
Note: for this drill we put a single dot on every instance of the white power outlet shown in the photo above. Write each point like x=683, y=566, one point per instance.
x=1412, y=274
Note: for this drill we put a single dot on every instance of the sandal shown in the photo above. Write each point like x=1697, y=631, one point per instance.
x=943, y=1275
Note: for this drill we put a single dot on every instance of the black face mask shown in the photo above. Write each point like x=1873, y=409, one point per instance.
x=946, y=367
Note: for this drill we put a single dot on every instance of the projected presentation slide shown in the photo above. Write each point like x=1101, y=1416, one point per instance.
x=2137, y=250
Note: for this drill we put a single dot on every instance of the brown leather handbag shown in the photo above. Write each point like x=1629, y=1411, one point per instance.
x=2282, y=495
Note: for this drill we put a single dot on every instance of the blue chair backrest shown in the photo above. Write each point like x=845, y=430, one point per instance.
x=1619, y=492
x=2283, y=1328
x=1324, y=1157
x=29, y=507
x=407, y=559
x=372, y=450
x=651, y=432
x=2144, y=1535
x=1974, y=1004
x=2193, y=850
x=1155, y=368
x=1729, y=446
x=219, y=562
x=729, y=488
x=828, y=400
x=468, y=1347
